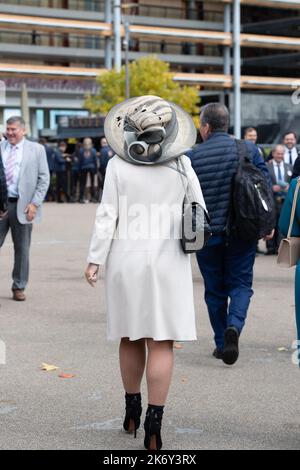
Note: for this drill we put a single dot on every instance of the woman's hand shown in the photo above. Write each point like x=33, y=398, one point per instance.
x=91, y=274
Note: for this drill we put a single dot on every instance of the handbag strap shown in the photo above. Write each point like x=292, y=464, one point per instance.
x=293, y=213
x=180, y=168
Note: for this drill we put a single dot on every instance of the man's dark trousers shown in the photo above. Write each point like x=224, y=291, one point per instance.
x=227, y=269
x=21, y=235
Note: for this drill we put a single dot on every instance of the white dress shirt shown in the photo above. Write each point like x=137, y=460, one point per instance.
x=12, y=189
x=276, y=170
x=287, y=155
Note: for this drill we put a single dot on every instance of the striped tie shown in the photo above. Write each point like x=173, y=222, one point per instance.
x=10, y=166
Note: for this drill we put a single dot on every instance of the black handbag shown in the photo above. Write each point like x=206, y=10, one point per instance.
x=195, y=226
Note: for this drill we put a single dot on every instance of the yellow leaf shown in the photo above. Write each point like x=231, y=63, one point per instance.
x=48, y=367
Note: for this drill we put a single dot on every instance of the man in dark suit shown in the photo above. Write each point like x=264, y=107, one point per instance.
x=281, y=174
x=290, y=150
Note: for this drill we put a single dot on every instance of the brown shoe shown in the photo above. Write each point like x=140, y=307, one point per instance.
x=19, y=295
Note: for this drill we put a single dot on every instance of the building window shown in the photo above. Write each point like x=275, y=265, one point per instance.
x=67, y=112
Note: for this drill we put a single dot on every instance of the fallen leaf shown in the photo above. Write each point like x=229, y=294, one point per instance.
x=178, y=346
x=66, y=376
x=282, y=349
x=48, y=367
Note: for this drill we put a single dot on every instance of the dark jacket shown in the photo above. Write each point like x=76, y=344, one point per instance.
x=3, y=187
x=50, y=158
x=296, y=170
x=59, y=162
x=104, y=157
x=285, y=216
x=215, y=161
x=88, y=163
x=76, y=161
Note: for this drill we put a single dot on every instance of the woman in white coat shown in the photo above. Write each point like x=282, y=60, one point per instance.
x=148, y=278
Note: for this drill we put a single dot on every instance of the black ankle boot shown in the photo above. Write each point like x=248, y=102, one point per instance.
x=152, y=427
x=132, y=419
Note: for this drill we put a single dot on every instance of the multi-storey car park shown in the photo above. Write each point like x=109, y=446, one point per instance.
x=245, y=53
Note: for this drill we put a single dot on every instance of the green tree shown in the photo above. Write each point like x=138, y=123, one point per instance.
x=148, y=76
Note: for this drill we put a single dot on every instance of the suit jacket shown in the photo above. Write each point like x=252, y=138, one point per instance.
x=288, y=171
x=3, y=187
x=34, y=179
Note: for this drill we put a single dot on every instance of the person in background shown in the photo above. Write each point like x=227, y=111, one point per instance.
x=226, y=262
x=27, y=180
x=291, y=153
x=284, y=223
x=281, y=174
x=75, y=171
x=51, y=165
x=250, y=134
x=61, y=158
x=88, y=167
x=104, y=155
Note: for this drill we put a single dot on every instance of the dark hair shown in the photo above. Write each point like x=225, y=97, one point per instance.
x=14, y=119
x=249, y=129
x=288, y=133
x=216, y=115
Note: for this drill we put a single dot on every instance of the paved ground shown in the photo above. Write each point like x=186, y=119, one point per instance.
x=253, y=405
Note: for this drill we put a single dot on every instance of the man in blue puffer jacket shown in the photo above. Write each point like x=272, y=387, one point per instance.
x=226, y=263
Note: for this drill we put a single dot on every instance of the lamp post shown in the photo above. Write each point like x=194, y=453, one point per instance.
x=237, y=67
x=117, y=33
x=126, y=46
x=108, y=55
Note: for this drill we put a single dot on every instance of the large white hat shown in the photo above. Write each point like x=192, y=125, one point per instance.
x=149, y=130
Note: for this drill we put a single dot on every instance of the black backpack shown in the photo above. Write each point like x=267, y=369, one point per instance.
x=252, y=212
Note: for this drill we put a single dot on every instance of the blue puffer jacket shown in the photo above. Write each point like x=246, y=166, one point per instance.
x=90, y=162
x=215, y=162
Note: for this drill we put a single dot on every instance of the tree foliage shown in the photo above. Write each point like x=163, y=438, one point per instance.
x=148, y=76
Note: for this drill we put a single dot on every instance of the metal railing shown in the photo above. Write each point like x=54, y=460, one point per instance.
x=51, y=40
x=84, y=5
x=96, y=43
x=155, y=11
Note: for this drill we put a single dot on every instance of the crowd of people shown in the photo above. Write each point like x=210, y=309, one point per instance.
x=283, y=162
x=78, y=175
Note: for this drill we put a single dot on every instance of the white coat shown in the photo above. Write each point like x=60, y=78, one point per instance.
x=149, y=286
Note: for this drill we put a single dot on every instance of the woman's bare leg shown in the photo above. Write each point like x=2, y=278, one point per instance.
x=132, y=363
x=159, y=370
